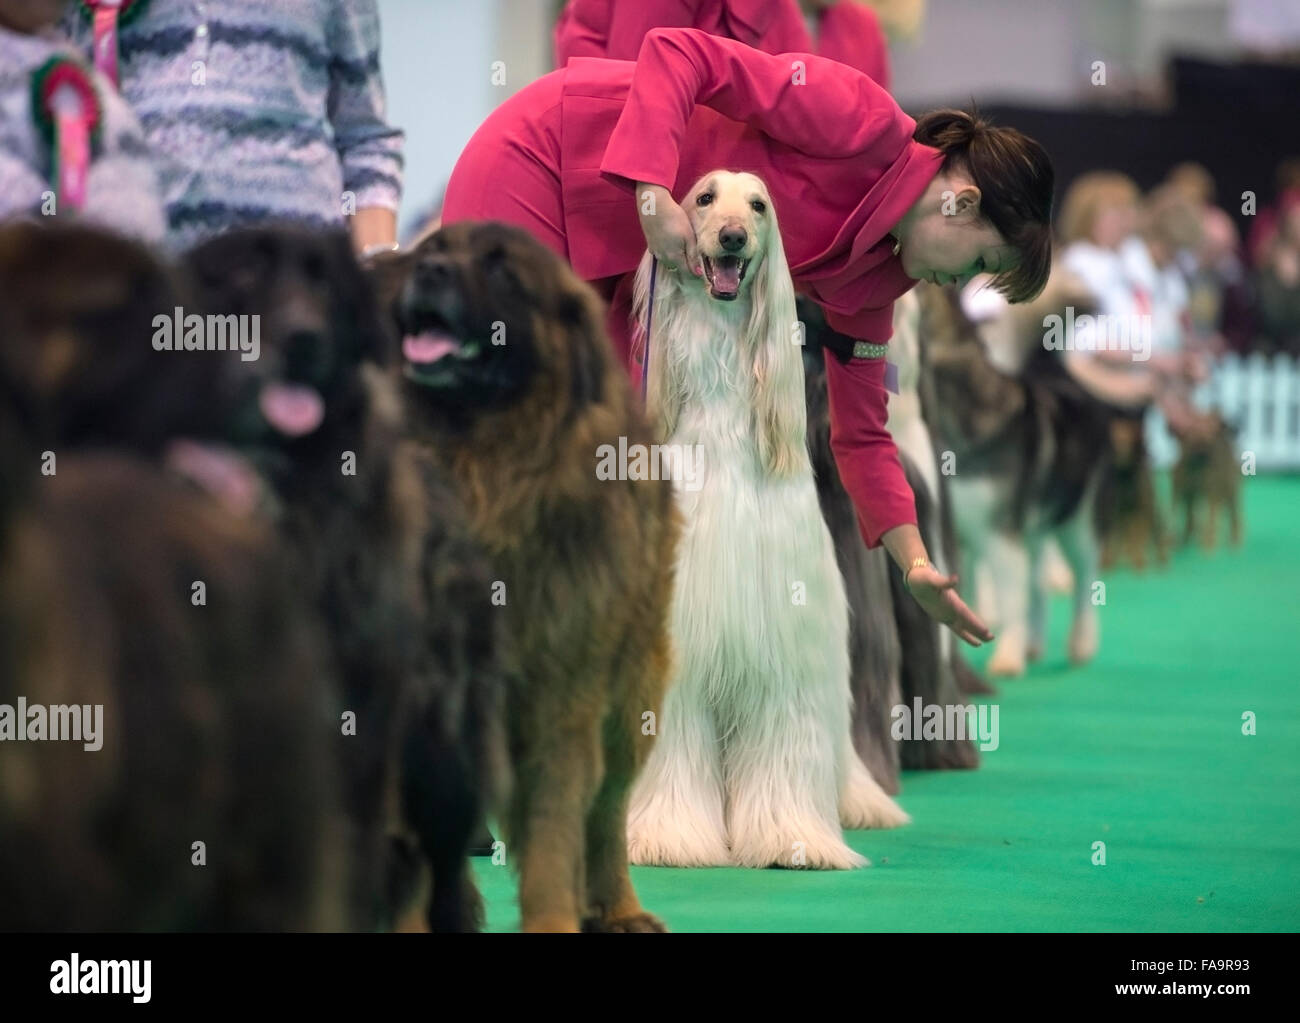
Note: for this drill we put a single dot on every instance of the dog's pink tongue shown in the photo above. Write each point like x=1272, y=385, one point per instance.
x=427, y=347
x=726, y=275
x=293, y=409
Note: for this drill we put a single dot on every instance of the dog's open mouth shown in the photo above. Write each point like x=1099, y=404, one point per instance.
x=294, y=410
x=431, y=348
x=724, y=274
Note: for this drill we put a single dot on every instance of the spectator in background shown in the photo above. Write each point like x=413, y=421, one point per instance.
x=1126, y=252
x=109, y=180
x=1153, y=259
x=1099, y=212
x=843, y=30
x=1170, y=225
x=259, y=111
x=1277, y=287
x=1264, y=227
x=1219, y=300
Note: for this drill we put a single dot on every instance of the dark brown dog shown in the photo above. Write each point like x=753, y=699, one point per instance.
x=895, y=647
x=381, y=546
x=512, y=382
x=1207, y=477
x=214, y=726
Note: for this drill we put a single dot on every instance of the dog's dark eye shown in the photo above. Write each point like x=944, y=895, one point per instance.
x=704, y=199
x=758, y=206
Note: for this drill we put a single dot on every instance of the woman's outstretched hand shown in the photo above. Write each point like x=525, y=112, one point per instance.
x=937, y=594
x=667, y=229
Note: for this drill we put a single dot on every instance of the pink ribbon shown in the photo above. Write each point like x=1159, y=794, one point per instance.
x=106, y=38
x=72, y=132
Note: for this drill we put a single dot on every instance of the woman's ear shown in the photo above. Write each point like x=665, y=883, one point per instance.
x=963, y=201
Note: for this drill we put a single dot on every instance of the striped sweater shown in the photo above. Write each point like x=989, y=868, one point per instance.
x=259, y=109
x=121, y=187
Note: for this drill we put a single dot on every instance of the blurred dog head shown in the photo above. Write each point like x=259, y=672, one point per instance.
x=78, y=308
x=317, y=325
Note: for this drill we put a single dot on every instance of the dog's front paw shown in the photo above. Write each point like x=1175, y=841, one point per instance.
x=864, y=804
x=637, y=923
x=1006, y=662
x=1084, y=639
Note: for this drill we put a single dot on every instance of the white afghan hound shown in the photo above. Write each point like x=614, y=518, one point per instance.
x=754, y=765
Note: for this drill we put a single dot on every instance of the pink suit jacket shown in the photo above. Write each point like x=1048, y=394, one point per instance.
x=846, y=31
x=838, y=157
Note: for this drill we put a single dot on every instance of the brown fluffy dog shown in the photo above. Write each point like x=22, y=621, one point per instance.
x=1207, y=476
x=512, y=382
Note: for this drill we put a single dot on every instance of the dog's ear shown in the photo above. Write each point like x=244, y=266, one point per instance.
x=661, y=360
x=387, y=275
x=356, y=304
x=773, y=335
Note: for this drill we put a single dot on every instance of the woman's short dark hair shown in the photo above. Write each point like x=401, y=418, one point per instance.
x=1015, y=178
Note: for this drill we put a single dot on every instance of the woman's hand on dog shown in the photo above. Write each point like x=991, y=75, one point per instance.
x=667, y=229
x=937, y=594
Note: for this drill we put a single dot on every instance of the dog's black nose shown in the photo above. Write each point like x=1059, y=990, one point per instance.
x=732, y=238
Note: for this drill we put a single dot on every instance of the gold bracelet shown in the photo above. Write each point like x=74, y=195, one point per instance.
x=916, y=563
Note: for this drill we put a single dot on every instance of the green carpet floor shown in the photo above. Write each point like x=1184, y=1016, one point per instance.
x=1142, y=750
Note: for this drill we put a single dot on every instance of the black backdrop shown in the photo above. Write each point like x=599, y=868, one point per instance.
x=1239, y=121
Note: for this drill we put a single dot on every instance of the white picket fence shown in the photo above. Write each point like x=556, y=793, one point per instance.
x=1261, y=396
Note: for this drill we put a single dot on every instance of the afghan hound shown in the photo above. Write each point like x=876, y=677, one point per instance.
x=754, y=765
